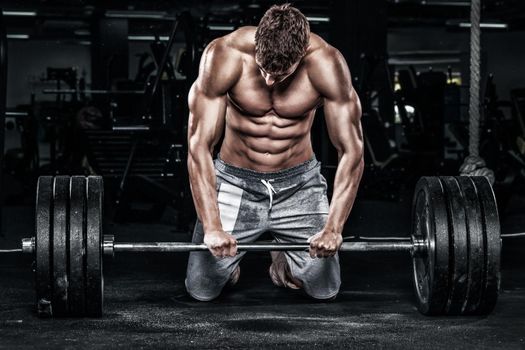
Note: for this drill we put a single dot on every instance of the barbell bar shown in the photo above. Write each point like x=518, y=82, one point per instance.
x=172, y=247
x=110, y=247
x=455, y=244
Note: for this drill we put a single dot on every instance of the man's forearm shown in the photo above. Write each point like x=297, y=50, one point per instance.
x=347, y=178
x=203, y=182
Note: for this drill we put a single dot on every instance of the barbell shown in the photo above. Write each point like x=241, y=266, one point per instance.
x=455, y=246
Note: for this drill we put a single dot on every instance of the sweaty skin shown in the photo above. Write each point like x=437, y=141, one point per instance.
x=266, y=119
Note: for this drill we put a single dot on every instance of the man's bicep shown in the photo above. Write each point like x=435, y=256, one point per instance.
x=218, y=72
x=206, y=121
x=343, y=119
x=342, y=108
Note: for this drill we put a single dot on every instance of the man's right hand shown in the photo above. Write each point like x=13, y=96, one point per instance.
x=220, y=243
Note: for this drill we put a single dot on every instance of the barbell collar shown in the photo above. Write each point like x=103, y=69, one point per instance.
x=108, y=245
x=28, y=245
x=419, y=247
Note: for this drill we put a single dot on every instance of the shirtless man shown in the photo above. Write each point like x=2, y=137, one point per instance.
x=260, y=88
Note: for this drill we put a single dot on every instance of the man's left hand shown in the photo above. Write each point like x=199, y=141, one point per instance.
x=325, y=244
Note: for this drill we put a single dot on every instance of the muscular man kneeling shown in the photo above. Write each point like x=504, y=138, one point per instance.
x=260, y=87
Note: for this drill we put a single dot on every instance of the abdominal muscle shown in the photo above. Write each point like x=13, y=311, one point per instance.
x=266, y=143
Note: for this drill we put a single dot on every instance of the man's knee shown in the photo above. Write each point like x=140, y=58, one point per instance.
x=321, y=279
x=200, y=292
x=205, y=276
x=321, y=295
x=321, y=288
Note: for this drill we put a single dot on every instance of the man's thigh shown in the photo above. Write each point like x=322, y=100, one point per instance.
x=241, y=216
x=299, y=216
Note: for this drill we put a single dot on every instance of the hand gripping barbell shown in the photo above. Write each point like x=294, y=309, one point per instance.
x=455, y=246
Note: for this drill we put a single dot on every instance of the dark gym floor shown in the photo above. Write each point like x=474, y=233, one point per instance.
x=146, y=304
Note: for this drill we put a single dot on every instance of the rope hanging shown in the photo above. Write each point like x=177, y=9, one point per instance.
x=474, y=165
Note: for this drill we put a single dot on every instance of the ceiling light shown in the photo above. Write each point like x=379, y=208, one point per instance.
x=318, y=19
x=136, y=14
x=17, y=36
x=485, y=25
x=221, y=27
x=147, y=37
x=19, y=13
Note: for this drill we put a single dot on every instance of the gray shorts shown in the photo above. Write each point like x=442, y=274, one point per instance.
x=291, y=204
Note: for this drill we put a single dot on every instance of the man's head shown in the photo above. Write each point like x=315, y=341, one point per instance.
x=281, y=41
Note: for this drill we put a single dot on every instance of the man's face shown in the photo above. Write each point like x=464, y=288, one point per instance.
x=272, y=78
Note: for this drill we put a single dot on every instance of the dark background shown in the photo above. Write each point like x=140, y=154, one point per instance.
x=408, y=53
x=410, y=66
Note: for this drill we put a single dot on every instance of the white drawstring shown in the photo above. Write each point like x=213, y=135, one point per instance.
x=271, y=190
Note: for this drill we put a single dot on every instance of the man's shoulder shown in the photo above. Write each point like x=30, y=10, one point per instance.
x=221, y=63
x=320, y=52
x=241, y=40
x=326, y=67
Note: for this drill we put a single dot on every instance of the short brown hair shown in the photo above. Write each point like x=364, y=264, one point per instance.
x=281, y=38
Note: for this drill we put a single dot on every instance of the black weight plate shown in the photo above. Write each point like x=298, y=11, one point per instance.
x=77, y=237
x=475, y=244
x=492, y=240
x=60, y=250
x=430, y=223
x=44, y=236
x=458, y=246
x=94, y=277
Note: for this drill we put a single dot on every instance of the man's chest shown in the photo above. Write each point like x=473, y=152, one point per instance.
x=295, y=97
